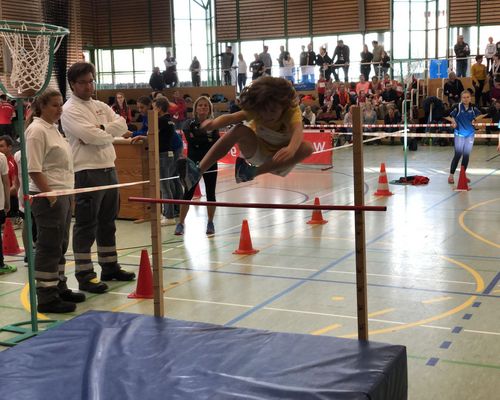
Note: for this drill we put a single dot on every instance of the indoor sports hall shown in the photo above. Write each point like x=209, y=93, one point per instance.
x=371, y=270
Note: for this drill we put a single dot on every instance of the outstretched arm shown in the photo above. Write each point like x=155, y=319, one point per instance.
x=223, y=120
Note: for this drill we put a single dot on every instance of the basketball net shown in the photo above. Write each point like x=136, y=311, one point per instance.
x=30, y=54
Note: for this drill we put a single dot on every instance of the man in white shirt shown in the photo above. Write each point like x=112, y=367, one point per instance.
x=91, y=127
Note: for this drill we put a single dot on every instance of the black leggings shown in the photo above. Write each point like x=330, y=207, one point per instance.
x=210, y=179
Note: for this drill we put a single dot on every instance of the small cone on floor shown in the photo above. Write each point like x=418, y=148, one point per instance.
x=462, y=181
x=245, y=246
x=197, y=192
x=317, y=216
x=10, y=246
x=383, y=185
x=144, y=289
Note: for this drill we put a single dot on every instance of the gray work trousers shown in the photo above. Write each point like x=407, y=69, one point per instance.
x=53, y=237
x=95, y=215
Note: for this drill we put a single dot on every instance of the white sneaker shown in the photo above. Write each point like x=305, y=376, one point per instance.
x=167, y=221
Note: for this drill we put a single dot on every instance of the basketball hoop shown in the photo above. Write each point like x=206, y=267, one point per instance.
x=31, y=46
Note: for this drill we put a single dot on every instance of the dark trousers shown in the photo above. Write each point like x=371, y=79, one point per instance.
x=195, y=78
x=171, y=188
x=2, y=221
x=346, y=73
x=210, y=179
x=461, y=68
x=463, y=148
x=365, y=70
x=242, y=81
x=95, y=215
x=478, y=93
x=321, y=99
x=53, y=237
x=227, y=77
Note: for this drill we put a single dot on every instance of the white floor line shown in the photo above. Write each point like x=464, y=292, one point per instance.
x=311, y=313
x=14, y=283
x=353, y=273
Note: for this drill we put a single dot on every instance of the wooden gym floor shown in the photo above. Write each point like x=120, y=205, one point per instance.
x=433, y=262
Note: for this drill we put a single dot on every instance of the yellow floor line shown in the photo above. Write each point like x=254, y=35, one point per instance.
x=436, y=300
x=479, y=288
x=26, y=303
x=470, y=231
x=338, y=298
x=381, y=312
x=326, y=329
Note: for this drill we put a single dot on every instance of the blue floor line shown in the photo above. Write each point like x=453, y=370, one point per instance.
x=492, y=284
x=309, y=279
x=298, y=284
x=327, y=267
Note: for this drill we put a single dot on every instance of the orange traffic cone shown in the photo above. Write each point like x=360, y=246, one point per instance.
x=245, y=241
x=383, y=185
x=462, y=181
x=317, y=216
x=10, y=246
x=144, y=289
x=197, y=192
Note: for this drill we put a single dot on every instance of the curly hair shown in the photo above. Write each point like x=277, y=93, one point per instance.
x=268, y=91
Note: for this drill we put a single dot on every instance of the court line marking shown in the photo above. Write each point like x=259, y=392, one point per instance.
x=307, y=279
x=334, y=263
x=436, y=300
x=464, y=305
x=381, y=312
x=354, y=273
x=470, y=231
x=446, y=328
x=492, y=284
x=326, y=329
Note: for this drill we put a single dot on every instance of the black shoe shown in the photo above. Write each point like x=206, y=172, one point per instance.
x=74, y=297
x=93, y=286
x=57, y=306
x=118, y=275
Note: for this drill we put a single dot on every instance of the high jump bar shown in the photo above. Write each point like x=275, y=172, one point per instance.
x=259, y=205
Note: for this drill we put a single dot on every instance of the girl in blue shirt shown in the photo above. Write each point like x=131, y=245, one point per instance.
x=462, y=119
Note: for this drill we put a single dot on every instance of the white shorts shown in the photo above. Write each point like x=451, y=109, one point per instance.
x=268, y=143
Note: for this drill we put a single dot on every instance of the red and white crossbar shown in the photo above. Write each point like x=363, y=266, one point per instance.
x=479, y=124
x=259, y=205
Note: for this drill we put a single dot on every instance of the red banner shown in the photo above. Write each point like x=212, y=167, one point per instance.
x=321, y=141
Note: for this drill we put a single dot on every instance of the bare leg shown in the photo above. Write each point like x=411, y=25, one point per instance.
x=211, y=213
x=183, y=212
x=304, y=151
x=244, y=136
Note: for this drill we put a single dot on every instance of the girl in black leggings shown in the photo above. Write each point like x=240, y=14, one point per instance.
x=199, y=142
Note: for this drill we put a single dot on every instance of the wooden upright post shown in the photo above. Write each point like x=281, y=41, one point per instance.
x=359, y=223
x=155, y=213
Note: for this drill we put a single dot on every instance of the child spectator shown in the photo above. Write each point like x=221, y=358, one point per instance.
x=17, y=158
x=308, y=117
x=6, y=144
x=121, y=107
x=4, y=209
x=321, y=89
x=143, y=106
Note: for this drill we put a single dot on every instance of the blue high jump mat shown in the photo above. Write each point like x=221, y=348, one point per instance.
x=107, y=356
